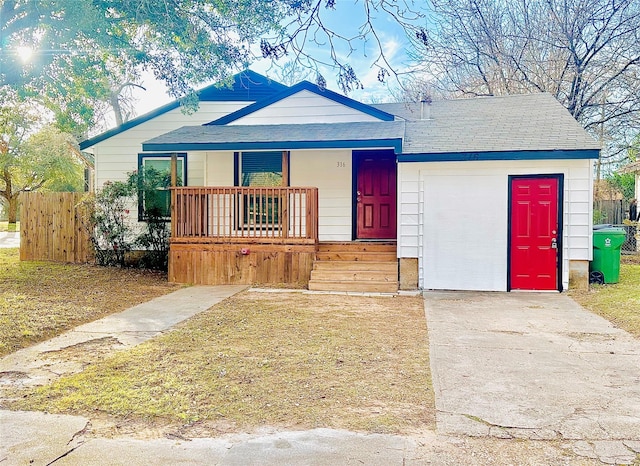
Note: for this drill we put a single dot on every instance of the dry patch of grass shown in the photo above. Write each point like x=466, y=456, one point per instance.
x=617, y=302
x=289, y=360
x=39, y=300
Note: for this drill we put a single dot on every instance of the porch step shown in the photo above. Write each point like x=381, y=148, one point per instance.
x=356, y=256
x=358, y=267
x=342, y=275
x=383, y=266
x=360, y=251
x=357, y=247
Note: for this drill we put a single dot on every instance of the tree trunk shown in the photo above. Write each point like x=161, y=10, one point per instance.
x=13, y=211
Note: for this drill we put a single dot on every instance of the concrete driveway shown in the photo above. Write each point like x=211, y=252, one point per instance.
x=536, y=366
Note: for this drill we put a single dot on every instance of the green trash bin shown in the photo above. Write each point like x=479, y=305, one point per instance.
x=607, y=240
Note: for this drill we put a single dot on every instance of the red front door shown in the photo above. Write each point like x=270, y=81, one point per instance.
x=535, y=238
x=375, y=194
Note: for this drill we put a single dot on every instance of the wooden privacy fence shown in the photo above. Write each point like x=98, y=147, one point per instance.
x=51, y=228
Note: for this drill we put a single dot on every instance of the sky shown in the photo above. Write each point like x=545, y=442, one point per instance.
x=347, y=18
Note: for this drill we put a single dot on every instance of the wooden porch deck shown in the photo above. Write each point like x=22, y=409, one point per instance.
x=269, y=236
x=243, y=235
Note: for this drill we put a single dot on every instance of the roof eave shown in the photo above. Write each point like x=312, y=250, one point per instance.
x=553, y=154
x=129, y=124
x=391, y=143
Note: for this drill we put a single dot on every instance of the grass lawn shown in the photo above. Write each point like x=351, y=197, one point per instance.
x=4, y=226
x=617, y=302
x=288, y=360
x=39, y=300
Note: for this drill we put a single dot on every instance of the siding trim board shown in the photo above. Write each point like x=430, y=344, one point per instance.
x=511, y=155
x=305, y=86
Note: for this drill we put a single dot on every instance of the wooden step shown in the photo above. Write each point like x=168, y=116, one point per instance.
x=370, y=267
x=357, y=256
x=354, y=276
x=358, y=247
x=364, y=287
x=386, y=266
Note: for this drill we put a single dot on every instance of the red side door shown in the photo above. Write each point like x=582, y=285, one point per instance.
x=535, y=239
x=375, y=194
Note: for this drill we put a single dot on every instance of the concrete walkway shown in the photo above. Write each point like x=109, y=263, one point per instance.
x=536, y=366
x=34, y=366
x=9, y=239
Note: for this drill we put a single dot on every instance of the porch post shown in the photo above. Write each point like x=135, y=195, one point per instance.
x=174, y=169
x=174, y=195
x=285, y=198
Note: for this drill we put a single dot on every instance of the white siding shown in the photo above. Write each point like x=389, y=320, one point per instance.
x=118, y=155
x=330, y=171
x=453, y=216
x=195, y=168
x=410, y=210
x=304, y=107
x=218, y=169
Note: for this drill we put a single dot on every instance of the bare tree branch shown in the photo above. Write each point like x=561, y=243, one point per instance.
x=584, y=52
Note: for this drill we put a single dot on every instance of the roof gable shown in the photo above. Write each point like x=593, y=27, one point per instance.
x=246, y=86
x=305, y=86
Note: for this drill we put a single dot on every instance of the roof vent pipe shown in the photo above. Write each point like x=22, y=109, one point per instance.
x=425, y=108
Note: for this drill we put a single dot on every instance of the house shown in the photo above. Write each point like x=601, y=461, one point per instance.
x=115, y=152
x=307, y=186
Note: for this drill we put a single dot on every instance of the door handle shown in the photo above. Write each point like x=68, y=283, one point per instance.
x=554, y=243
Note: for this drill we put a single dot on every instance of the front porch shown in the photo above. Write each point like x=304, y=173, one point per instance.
x=268, y=236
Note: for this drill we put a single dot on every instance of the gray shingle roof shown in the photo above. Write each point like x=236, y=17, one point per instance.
x=534, y=122
x=509, y=123
x=276, y=136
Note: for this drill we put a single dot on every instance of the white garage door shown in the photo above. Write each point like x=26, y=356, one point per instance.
x=465, y=231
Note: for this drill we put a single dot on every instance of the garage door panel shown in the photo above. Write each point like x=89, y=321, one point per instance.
x=465, y=232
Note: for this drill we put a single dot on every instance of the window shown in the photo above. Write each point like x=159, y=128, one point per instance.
x=260, y=169
x=155, y=181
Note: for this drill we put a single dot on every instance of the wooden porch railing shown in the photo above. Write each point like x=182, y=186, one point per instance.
x=286, y=215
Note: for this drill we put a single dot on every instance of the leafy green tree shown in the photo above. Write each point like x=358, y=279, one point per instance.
x=32, y=157
x=74, y=52
x=623, y=182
